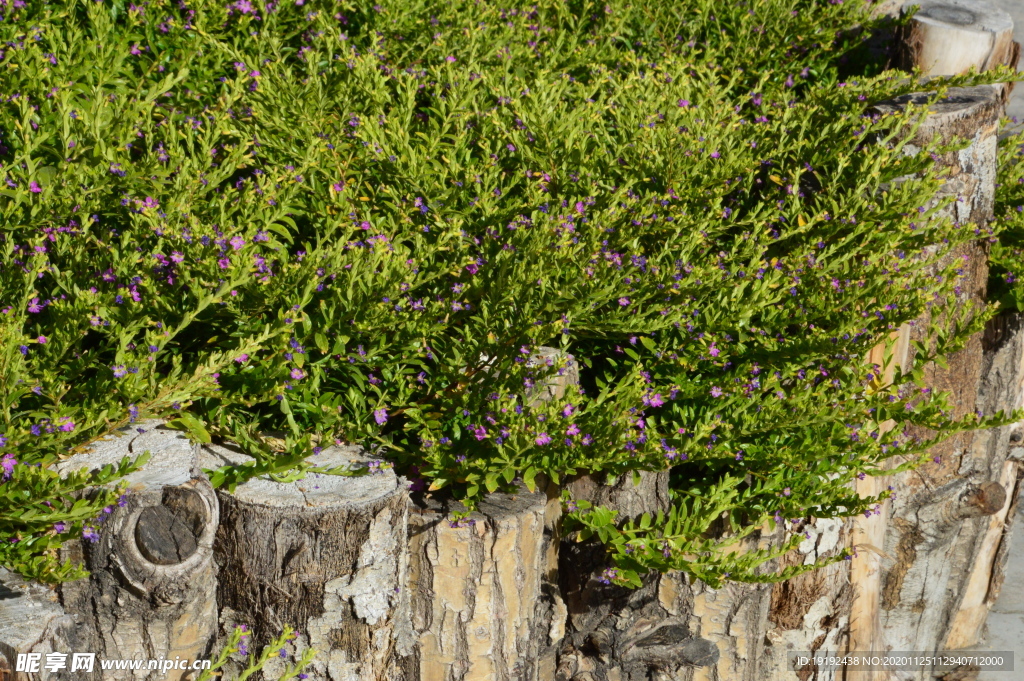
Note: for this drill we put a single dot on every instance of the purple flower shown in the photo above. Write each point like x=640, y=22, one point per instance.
x=7, y=464
x=472, y=268
x=573, y=430
x=684, y=103
x=34, y=187
x=298, y=374
x=716, y=391
x=60, y=527
x=237, y=242
x=623, y=302
x=118, y=370
x=480, y=432
x=380, y=416
x=90, y=533
x=241, y=359
x=543, y=439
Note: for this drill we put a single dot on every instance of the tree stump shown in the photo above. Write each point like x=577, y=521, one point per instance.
x=152, y=589
x=484, y=593
x=811, y=612
x=32, y=621
x=948, y=37
x=909, y=588
x=655, y=631
x=326, y=555
x=1002, y=388
x=553, y=387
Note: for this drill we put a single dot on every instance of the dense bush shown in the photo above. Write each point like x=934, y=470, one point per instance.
x=1006, y=283
x=358, y=222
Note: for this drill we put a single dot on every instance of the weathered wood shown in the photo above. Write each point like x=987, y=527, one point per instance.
x=144, y=600
x=327, y=555
x=484, y=592
x=33, y=621
x=811, y=612
x=949, y=37
x=553, y=387
x=1002, y=388
x=906, y=598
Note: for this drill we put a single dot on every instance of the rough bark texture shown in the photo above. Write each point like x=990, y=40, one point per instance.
x=485, y=601
x=152, y=588
x=33, y=621
x=1002, y=388
x=811, y=612
x=326, y=555
x=939, y=517
x=673, y=627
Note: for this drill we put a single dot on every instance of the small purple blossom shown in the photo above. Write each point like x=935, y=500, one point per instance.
x=7, y=464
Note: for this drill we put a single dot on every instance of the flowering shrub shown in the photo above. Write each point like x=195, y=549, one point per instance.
x=354, y=222
x=237, y=646
x=1006, y=280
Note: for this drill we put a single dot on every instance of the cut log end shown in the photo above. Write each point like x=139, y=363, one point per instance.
x=949, y=37
x=325, y=555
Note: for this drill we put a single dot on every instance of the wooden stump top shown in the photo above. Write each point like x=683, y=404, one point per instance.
x=316, y=490
x=172, y=461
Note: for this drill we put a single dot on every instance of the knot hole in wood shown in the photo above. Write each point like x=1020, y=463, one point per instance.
x=168, y=533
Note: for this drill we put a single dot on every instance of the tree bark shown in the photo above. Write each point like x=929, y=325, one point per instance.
x=326, y=555
x=907, y=593
x=33, y=621
x=484, y=593
x=152, y=588
x=1002, y=388
x=811, y=612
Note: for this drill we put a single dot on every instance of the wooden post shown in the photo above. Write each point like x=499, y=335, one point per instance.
x=909, y=580
x=485, y=601
x=484, y=592
x=327, y=555
x=948, y=37
x=1002, y=389
x=669, y=627
x=152, y=589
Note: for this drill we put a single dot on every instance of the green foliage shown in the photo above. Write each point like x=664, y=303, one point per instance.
x=355, y=223
x=237, y=645
x=1007, y=257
